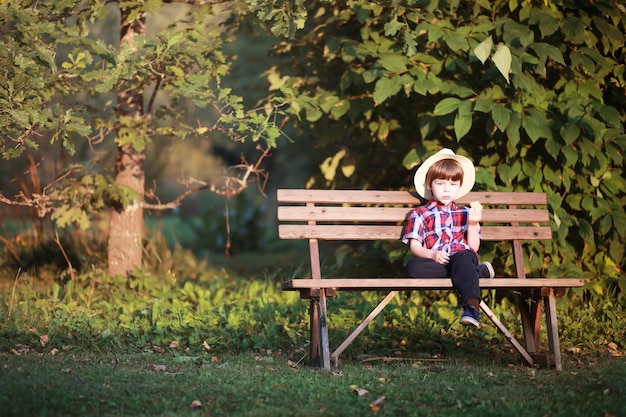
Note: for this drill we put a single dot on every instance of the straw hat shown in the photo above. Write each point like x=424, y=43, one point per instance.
x=466, y=165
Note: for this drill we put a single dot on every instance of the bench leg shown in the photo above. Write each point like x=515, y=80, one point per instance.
x=314, y=330
x=319, y=349
x=324, y=343
x=335, y=356
x=529, y=360
x=553, y=329
x=531, y=322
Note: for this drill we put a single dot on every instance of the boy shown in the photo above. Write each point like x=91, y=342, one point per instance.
x=444, y=237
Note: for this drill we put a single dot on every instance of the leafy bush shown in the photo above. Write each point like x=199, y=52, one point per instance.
x=180, y=302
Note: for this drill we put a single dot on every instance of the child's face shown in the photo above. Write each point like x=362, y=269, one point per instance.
x=445, y=191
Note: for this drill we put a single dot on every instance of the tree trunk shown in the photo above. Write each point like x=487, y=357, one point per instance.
x=126, y=223
x=125, y=246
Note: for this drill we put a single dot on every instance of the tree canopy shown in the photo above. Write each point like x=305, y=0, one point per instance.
x=532, y=91
x=68, y=79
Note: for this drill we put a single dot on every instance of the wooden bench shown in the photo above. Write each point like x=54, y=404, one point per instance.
x=317, y=215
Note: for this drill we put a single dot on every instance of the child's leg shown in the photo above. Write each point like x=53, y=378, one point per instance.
x=465, y=277
x=426, y=268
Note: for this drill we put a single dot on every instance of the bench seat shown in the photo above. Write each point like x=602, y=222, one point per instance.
x=376, y=284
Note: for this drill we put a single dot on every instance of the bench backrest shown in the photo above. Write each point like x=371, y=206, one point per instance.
x=379, y=215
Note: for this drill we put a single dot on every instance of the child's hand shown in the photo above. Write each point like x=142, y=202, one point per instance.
x=475, y=213
x=441, y=257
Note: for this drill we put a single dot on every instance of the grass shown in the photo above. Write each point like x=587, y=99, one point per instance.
x=270, y=384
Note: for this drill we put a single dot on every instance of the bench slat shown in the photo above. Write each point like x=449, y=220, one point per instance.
x=393, y=232
x=426, y=283
x=395, y=214
x=402, y=197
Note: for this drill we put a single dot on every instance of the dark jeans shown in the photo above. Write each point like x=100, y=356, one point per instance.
x=461, y=268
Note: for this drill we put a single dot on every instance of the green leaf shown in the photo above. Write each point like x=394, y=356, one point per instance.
x=411, y=159
x=385, y=88
x=548, y=24
x=392, y=27
x=483, y=49
x=551, y=175
x=545, y=51
x=504, y=172
x=610, y=115
x=394, y=62
x=447, y=106
x=465, y=108
x=571, y=155
x=591, y=88
x=455, y=41
x=330, y=164
x=501, y=116
x=462, y=125
x=427, y=124
x=613, y=38
x=313, y=113
x=513, y=129
x=574, y=30
x=340, y=108
x=553, y=147
x=570, y=132
x=502, y=59
x=536, y=124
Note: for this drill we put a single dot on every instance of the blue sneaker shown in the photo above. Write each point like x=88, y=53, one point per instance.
x=485, y=270
x=471, y=316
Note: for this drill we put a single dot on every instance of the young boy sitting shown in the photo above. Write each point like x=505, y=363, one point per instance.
x=444, y=237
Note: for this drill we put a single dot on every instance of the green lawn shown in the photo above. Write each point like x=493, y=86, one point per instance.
x=270, y=384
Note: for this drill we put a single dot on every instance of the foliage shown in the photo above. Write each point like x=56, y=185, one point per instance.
x=183, y=302
x=67, y=80
x=532, y=91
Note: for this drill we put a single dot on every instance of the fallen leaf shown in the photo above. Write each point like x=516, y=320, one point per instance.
x=20, y=349
x=54, y=351
x=360, y=392
x=206, y=346
x=573, y=350
x=292, y=364
x=44, y=339
x=613, y=351
x=195, y=404
x=174, y=344
x=158, y=349
x=66, y=371
x=377, y=404
x=159, y=368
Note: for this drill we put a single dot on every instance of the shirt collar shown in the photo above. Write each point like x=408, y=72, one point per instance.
x=432, y=204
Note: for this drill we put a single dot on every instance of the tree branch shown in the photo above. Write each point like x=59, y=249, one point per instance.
x=233, y=184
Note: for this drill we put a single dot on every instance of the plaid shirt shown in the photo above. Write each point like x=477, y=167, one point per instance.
x=438, y=227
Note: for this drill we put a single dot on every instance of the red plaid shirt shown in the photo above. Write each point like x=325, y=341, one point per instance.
x=438, y=227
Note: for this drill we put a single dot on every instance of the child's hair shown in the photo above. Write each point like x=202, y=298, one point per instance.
x=445, y=169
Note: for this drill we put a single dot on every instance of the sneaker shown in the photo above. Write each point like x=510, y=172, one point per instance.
x=470, y=317
x=485, y=270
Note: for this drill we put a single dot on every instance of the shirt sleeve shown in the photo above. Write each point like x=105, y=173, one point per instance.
x=411, y=228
